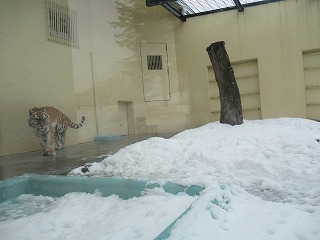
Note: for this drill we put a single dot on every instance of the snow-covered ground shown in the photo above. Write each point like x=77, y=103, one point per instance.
x=82, y=216
x=262, y=181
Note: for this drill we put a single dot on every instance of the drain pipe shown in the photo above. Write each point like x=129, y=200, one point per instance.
x=94, y=96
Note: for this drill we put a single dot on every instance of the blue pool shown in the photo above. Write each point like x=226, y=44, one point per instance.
x=58, y=186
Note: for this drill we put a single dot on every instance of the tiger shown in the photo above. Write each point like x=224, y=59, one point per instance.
x=50, y=126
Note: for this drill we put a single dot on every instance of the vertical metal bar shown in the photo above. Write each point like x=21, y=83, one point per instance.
x=153, y=62
x=157, y=62
x=70, y=26
x=52, y=19
x=66, y=25
x=55, y=14
x=49, y=16
x=63, y=24
x=68, y=30
x=56, y=22
x=148, y=62
x=60, y=25
x=94, y=96
x=76, y=29
x=73, y=29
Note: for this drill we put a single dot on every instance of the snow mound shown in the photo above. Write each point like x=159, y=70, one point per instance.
x=275, y=159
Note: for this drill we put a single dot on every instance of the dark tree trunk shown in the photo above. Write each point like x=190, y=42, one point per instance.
x=231, y=110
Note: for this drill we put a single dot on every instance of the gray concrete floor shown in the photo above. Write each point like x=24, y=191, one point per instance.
x=66, y=159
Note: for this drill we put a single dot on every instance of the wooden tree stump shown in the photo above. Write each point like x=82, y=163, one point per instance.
x=231, y=110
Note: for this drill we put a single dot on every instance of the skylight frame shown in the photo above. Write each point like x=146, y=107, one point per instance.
x=184, y=9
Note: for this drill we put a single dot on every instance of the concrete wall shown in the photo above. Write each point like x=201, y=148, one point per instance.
x=276, y=34
x=33, y=72
x=112, y=33
x=101, y=79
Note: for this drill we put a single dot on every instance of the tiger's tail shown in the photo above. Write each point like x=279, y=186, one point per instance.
x=78, y=125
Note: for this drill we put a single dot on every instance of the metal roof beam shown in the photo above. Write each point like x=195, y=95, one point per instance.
x=151, y=3
x=174, y=12
x=240, y=7
x=167, y=6
x=184, y=10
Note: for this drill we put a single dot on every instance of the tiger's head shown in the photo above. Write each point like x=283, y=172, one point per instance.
x=38, y=118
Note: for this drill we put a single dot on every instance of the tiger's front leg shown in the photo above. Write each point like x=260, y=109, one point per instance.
x=50, y=151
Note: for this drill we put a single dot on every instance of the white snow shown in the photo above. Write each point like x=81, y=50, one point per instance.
x=82, y=216
x=262, y=181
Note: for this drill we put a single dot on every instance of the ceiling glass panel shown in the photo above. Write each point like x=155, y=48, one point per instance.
x=251, y=1
x=190, y=8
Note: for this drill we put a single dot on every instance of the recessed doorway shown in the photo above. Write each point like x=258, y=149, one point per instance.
x=126, y=118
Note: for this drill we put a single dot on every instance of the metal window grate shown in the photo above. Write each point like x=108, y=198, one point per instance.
x=154, y=62
x=62, y=25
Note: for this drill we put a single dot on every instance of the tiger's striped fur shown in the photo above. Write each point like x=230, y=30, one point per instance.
x=50, y=126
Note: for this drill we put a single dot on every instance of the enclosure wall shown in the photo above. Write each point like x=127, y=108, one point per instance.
x=104, y=79
x=101, y=79
x=275, y=35
x=33, y=73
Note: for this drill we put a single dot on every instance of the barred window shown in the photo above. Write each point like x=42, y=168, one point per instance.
x=62, y=25
x=154, y=62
